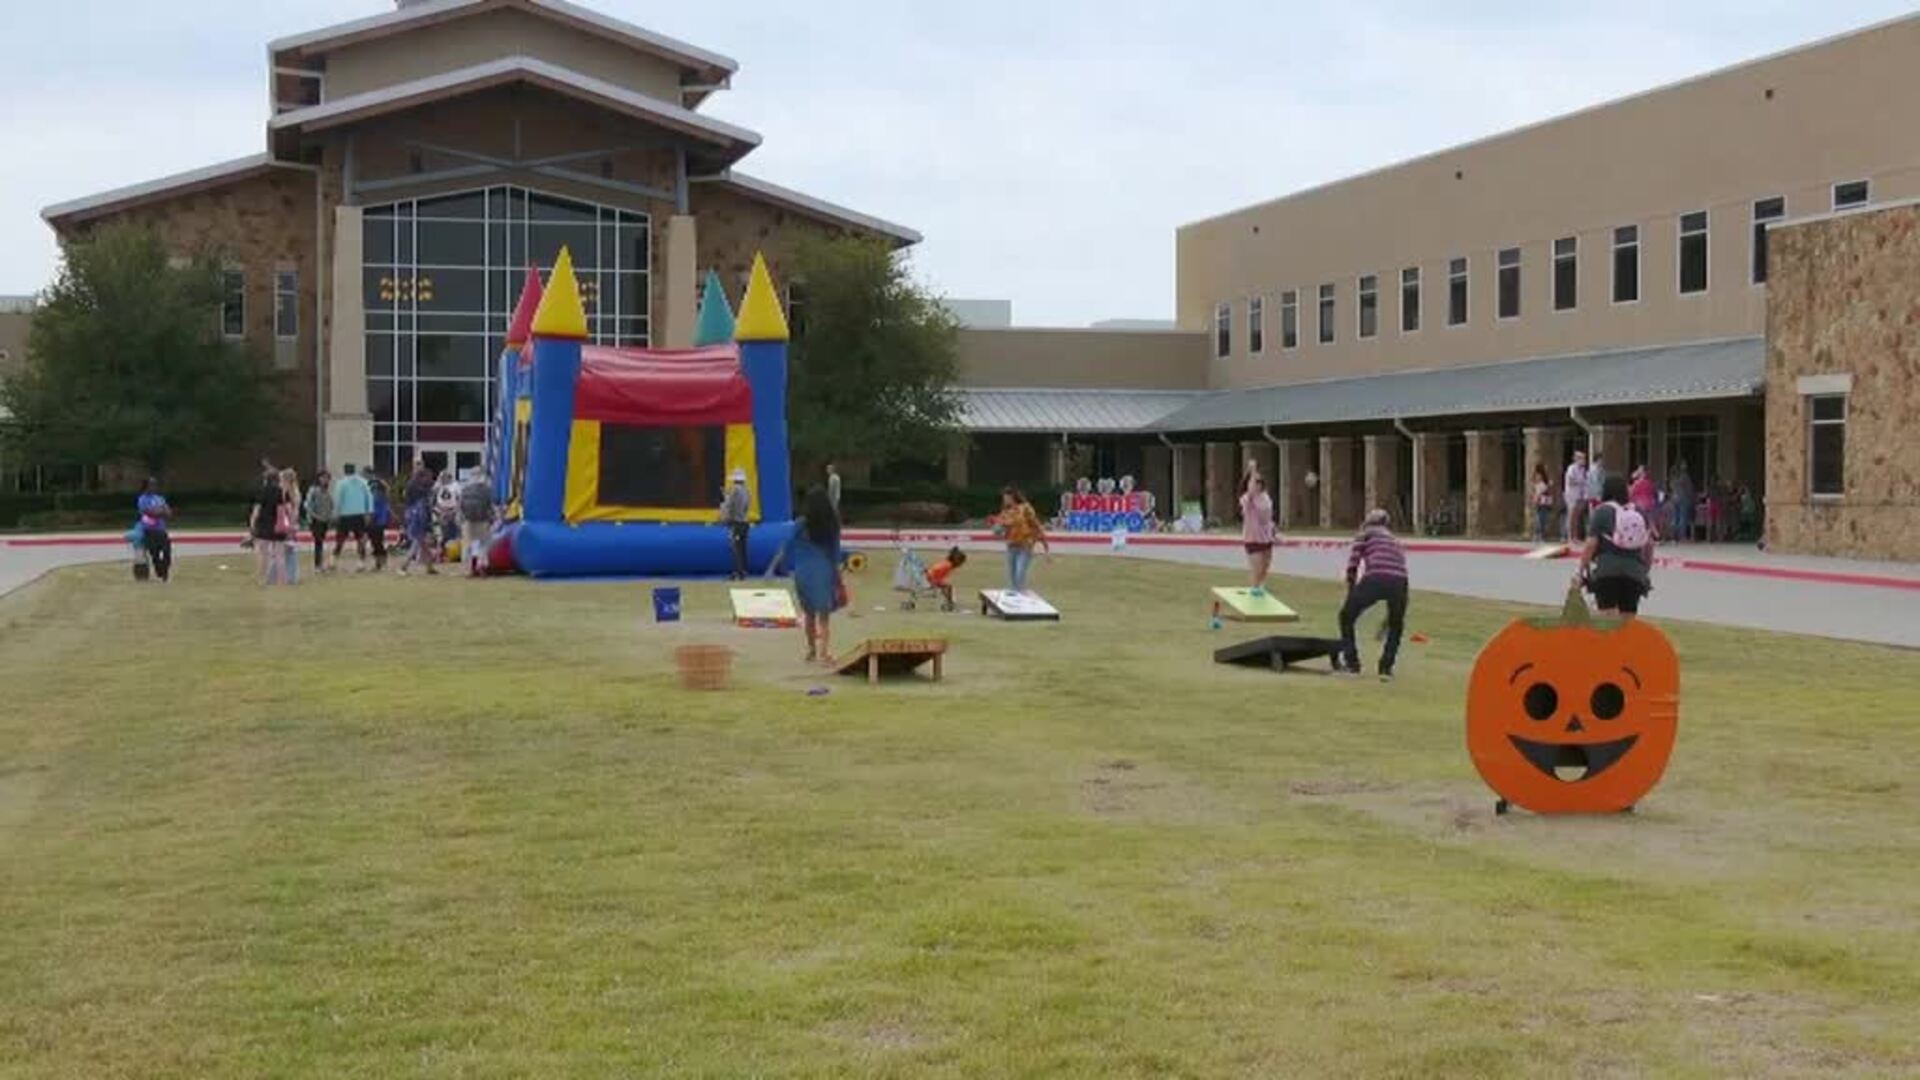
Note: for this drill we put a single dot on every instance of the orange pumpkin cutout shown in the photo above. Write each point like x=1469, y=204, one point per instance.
x=1570, y=716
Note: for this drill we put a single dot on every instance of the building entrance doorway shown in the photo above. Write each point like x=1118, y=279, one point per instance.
x=462, y=458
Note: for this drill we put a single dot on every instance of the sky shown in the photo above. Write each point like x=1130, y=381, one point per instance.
x=1048, y=149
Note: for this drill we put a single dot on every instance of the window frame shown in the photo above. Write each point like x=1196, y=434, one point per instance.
x=1613, y=275
x=1682, y=234
x=286, y=286
x=1866, y=194
x=1506, y=259
x=1223, y=330
x=1759, y=268
x=1570, y=256
x=1327, y=315
x=1256, y=334
x=1419, y=301
x=1463, y=275
x=1289, y=313
x=1362, y=294
x=1813, y=424
x=226, y=293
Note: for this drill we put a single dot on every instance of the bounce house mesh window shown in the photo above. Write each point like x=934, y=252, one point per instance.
x=681, y=468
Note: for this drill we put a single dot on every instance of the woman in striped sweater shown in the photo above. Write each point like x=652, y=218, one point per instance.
x=1376, y=571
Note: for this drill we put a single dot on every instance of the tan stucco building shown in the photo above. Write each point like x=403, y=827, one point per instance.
x=416, y=162
x=1422, y=336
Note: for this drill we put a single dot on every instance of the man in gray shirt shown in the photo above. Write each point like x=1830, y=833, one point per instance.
x=734, y=507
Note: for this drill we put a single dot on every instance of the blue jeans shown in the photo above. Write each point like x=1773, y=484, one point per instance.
x=1542, y=521
x=1682, y=519
x=1019, y=561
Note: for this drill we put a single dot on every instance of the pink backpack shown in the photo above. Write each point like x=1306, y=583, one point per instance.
x=1630, y=532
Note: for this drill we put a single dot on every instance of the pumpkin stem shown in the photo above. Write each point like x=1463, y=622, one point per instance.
x=1575, y=612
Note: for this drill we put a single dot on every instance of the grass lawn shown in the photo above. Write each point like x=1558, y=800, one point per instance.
x=441, y=828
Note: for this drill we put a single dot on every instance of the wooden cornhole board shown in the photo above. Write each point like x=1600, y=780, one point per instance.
x=1548, y=551
x=1241, y=605
x=1017, y=607
x=1279, y=653
x=893, y=656
x=763, y=608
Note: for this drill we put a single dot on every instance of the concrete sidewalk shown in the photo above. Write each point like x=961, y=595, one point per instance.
x=1731, y=585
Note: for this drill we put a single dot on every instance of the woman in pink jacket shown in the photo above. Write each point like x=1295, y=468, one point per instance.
x=1256, y=530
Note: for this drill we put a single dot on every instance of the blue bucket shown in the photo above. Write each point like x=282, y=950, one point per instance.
x=666, y=604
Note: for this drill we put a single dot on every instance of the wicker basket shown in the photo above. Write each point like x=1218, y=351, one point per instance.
x=704, y=667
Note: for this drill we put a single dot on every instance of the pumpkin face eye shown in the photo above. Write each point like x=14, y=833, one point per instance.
x=1608, y=701
x=1541, y=701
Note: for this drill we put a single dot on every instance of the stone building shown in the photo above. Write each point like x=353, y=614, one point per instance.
x=415, y=163
x=1423, y=336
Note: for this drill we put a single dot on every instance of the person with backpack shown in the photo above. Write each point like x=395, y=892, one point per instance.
x=156, y=545
x=476, y=522
x=1617, y=562
x=378, y=520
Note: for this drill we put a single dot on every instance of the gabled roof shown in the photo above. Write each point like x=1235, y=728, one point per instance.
x=166, y=187
x=713, y=66
x=729, y=142
x=806, y=205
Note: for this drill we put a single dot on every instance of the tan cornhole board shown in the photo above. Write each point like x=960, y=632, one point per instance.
x=1548, y=551
x=893, y=656
x=1241, y=605
x=763, y=608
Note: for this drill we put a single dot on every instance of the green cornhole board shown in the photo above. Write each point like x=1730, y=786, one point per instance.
x=1241, y=605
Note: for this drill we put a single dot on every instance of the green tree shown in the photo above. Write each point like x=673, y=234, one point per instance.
x=125, y=360
x=875, y=357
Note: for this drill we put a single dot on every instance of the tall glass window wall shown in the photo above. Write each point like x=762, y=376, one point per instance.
x=441, y=277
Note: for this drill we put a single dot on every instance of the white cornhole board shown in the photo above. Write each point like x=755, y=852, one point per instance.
x=1548, y=551
x=1241, y=605
x=1016, y=607
x=763, y=608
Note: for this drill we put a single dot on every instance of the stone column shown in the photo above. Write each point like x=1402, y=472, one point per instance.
x=1338, y=485
x=1610, y=442
x=1429, y=476
x=1262, y=455
x=1545, y=446
x=682, y=268
x=1296, y=504
x=1057, y=463
x=347, y=428
x=1383, y=476
x=1156, y=476
x=1484, y=489
x=1223, y=474
x=958, y=447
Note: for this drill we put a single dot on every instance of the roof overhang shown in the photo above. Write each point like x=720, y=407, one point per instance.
x=807, y=206
x=699, y=67
x=166, y=187
x=1042, y=411
x=722, y=143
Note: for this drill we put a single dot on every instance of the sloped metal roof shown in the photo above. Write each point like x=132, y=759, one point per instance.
x=224, y=172
x=1091, y=412
x=1694, y=371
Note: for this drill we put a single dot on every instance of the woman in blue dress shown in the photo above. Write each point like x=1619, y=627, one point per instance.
x=815, y=550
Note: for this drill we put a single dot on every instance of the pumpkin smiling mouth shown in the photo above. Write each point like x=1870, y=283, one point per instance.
x=1593, y=758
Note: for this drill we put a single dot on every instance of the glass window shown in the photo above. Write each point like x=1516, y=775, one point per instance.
x=447, y=402
x=1693, y=252
x=452, y=243
x=467, y=206
x=544, y=242
x=1290, y=319
x=451, y=356
x=233, y=303
x=1369, y=305
x=1827, y=444
x=1566, y=273
x=445, y=290
x=1457, y=292
x=379, y=354
x=1410, y=300
x=1327, y=314
x=1852, y=193
x=1507, y=284
x=376, y=240
x=286, y=304
x=1223, y=330
x=380, y=400
x=1764, y=210
x=1626, y=264
x=1256, y=336
x=553, y=208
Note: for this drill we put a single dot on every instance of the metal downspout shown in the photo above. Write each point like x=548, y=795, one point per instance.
x=1173, y=461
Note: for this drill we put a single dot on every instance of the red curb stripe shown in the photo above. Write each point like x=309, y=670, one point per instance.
x=1825, y=577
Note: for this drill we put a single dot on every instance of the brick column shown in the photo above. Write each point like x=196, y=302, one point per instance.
x=1429, y=476
x=1383, y=477
x=958, y=448
x=1296, y=505
x=347, y=427
x=1337, y=483
x=1057, y=463
x=1545, y=446
x=682, y=267
x=1484, y=492
x=1223, y=475
x=1610, y=442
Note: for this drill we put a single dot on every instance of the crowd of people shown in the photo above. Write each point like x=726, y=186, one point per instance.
x=437, y=512
x=1678, y=511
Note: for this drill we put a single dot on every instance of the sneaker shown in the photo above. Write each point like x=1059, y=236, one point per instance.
x=1256, y=591
x=1386, y=674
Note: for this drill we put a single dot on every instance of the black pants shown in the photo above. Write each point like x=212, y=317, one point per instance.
x=737, y=535
x=319, y=531
x=378, y=535
x=351, y=527
x=1370, y=591
x=159, y=552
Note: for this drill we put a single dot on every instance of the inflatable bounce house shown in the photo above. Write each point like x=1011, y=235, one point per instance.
x=612, y=461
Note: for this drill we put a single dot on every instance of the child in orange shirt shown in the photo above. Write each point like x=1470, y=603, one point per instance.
x=940, y=574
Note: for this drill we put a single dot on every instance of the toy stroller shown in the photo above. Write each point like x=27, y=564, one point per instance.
x=911, y=581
